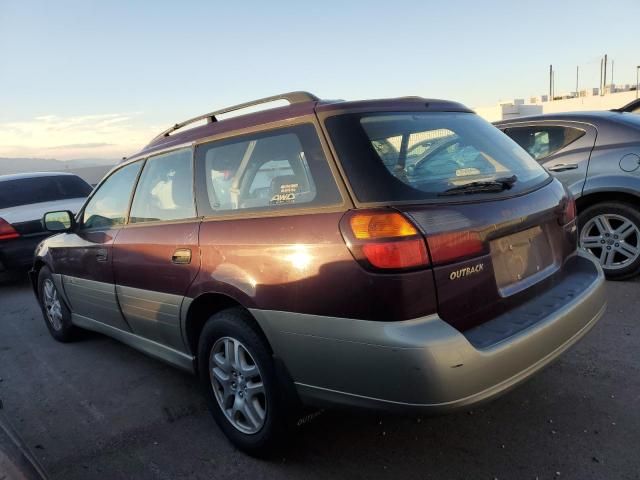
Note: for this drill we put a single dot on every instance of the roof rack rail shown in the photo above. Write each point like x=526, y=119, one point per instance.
x=291, y=97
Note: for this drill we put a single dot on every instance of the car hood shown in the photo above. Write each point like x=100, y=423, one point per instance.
x=35, y=211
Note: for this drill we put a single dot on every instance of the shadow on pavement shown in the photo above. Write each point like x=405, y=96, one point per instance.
x=14, y=278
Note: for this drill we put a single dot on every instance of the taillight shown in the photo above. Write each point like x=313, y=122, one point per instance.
x=381, y=225
x=447, y=247
x=384, y=239
x=7, y=232
x=568, y=213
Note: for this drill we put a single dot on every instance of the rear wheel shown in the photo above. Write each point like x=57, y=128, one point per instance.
x=610, y=231
x=238, y=376
x=56, y=315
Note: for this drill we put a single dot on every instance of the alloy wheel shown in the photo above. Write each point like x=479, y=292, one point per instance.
x=52, y=305
x=613, y=239
x=237, y=385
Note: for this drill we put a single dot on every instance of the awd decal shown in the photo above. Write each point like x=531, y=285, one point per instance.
x=465, y=272
x=283, y=198
x=287, y=194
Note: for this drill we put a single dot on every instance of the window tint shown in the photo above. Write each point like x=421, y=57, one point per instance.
x=165, y=189
x=108, y=206
x=24, y=191
x=418, y=156
x=542, y=141
x=276, y=169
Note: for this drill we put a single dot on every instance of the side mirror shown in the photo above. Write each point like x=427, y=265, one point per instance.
x=61, y=221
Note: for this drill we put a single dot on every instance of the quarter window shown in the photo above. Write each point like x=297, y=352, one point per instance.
x=107, y=208
x=278, y=169
x=165, y=189
x=543, y=141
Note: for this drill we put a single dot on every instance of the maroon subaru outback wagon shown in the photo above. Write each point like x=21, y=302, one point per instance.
x=397, y=254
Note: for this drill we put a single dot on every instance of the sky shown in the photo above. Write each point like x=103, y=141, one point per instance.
x=98, y=79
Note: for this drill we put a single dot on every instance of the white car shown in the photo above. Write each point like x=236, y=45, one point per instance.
x=24, y=199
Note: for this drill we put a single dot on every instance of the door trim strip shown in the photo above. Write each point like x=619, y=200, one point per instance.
x=151, y=348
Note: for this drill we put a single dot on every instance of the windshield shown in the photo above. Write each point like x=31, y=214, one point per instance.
x=24, y=191
x=418, y=156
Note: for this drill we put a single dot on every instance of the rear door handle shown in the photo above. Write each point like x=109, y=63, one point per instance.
x=561, y=167
x=102, y=255
x=181, y=256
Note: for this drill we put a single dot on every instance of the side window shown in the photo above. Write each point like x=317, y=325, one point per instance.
x=276, y=169
x=108, y=206
x=165, y=189
x=542, y=141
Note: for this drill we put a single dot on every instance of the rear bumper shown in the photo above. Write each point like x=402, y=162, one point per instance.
x=425, y=364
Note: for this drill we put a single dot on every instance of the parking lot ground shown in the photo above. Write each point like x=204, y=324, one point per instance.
x=98, y=409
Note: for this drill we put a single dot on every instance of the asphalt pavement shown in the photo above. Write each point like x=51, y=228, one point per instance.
x=98, y=409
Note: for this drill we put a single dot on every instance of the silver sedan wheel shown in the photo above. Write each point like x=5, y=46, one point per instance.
x=613, y=239
x=237, y=385
x=52, y=305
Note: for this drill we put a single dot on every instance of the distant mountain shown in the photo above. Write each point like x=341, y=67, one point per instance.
x=90, y=169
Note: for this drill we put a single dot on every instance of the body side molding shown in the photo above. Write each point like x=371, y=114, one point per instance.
x=151, y=348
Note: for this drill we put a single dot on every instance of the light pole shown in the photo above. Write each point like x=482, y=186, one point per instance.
x=637, y=82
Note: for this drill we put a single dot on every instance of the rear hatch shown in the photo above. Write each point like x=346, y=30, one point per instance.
x=498, y=228
x=491, y=256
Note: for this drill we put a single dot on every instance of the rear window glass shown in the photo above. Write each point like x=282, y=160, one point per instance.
x=418, y=156
x=25, y=191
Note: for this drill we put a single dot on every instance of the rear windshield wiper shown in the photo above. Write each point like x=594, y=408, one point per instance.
x=497, y=185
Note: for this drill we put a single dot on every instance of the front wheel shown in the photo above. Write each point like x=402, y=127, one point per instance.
x=610, y=231
x=56, y=315
x=238, y=377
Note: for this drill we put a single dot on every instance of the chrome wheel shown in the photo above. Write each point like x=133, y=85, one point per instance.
x=613, y=239
x=52, y=305
x=237, y=385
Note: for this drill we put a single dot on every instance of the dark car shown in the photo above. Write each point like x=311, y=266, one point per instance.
x=24, y=199
x=597, y=156
x=286, y=261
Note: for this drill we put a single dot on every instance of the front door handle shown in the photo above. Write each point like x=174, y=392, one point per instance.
x=181, y=256
x=561, y=167
x=102, y=255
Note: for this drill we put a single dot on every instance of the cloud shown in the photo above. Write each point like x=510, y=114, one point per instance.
x=85, y=145
x=109, y=135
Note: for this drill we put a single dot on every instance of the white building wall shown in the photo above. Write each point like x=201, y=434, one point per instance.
x=515, y=109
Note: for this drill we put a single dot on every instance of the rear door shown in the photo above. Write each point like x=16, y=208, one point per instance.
x=563, y=148
x=84, y=257
x=156, y=255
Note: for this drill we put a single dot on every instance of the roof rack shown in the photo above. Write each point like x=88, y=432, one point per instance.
x=291, y=97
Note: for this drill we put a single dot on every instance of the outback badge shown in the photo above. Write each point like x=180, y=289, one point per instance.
x=465, y=272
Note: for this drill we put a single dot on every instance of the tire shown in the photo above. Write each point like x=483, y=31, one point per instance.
x=56, y=315
x=611, y=232
x=254, y=421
